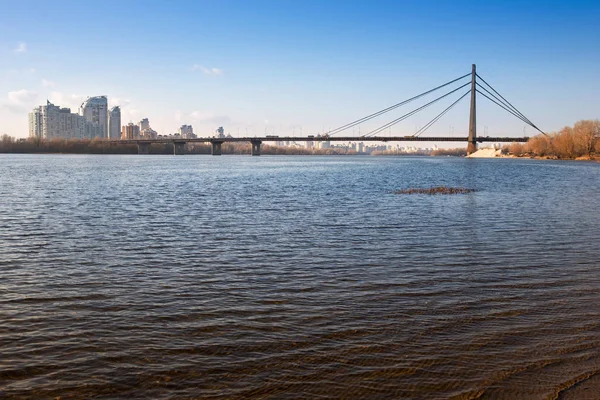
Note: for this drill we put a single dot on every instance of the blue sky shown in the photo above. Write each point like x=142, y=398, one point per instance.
x=289, y=66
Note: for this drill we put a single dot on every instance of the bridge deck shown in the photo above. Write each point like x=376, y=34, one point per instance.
x=505, y=139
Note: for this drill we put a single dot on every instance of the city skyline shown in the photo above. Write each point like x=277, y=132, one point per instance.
x=93, y=120
x=259, y=68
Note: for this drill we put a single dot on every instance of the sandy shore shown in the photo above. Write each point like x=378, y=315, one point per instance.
x=487, y=153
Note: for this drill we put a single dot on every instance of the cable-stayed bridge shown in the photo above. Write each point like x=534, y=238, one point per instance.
x=475, y=85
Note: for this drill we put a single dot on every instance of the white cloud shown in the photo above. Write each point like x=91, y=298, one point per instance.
x=207, y=71
x=133, y=114
x=178, y=116
x=21, y=96
x=21, y=48
x=209, y=117
x=12, y=72
x=19, y=101
x=198, y=115
x=47, y=83
x=72, y=101
x=117, y=101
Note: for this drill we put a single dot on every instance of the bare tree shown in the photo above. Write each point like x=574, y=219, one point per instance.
x=586, y=134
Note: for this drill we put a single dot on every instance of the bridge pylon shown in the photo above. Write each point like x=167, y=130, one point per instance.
x=472, y=140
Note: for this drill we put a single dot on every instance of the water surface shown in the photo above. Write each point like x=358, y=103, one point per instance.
x=297, y=277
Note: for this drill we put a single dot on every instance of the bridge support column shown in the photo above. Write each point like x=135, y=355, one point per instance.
x=178, y=148
x=255, y=147
x=143, y=148
x=216, y=147
x=472, y=144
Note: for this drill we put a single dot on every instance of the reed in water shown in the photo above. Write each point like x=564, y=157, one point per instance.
x=435, y=190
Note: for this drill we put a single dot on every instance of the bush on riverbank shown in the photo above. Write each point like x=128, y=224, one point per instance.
x=9, y=144
x=458, y=152
x=580, y=141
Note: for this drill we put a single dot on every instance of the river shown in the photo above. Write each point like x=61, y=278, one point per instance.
x=298, y=277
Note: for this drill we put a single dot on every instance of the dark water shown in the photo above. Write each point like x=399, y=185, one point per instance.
x=297, y=277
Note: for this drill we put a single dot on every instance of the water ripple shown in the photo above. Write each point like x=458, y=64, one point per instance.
x=297, y=277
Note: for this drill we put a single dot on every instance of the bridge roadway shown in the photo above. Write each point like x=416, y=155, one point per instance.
x=179, y=143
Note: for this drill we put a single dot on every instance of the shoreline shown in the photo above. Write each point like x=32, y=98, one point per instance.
x=499, y=153
x=504, y=156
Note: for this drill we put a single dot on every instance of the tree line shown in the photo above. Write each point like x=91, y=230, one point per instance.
x=10, y=144
x=579, y=141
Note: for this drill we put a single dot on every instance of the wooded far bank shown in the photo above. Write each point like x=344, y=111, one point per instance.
x=582, y=141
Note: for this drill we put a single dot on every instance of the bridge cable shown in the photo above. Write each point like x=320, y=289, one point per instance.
x=504, y=107
x=505, y=101
x=378, y=113
x=440, y=115
x=513, y=107
x=403, y=117
x=519, y=115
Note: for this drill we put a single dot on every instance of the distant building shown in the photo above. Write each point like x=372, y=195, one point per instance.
x=130, y=131
x=144, y=124
x=186, y=131
x=36, y=123
x=51, y=122
x=325, y=144
x=144, y=131
x=95, y=110
x=148, y=133
x=114, y=123
x=220, y=132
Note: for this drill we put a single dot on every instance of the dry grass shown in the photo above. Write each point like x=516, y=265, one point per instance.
x=435, y=190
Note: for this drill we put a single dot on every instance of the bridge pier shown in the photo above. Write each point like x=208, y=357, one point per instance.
x=255, y=147
x=143, y=148
x=178, y=148
x=472, y=140
x=216, y=147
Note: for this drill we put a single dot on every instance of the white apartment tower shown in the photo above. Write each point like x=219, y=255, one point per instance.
x=186, y=131
x=114, y=123
x=144, y=124
x=36, y=125
x=50, y=122
x=95, y=110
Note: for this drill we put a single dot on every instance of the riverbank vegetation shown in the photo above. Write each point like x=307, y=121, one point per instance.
x=582, y=141
x=9, y=144
x=458, y=152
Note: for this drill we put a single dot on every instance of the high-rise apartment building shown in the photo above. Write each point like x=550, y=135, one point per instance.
x=186, y=131
x=130, y=131
x=36, y=125
x=148, y=134
x=114, y=123
x=95, y=110
x=50, y=122
x=144, y=124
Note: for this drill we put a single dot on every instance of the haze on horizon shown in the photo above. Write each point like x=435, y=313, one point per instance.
x=283, y=67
